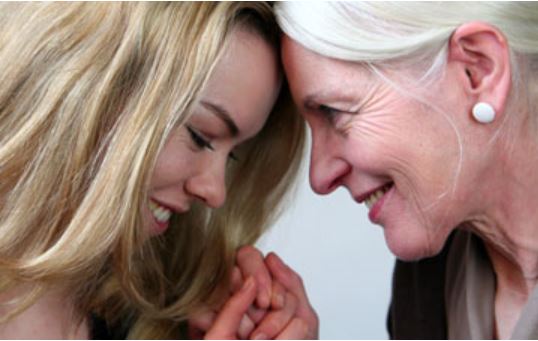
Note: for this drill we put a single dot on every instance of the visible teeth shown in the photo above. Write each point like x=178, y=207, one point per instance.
x=161, y=214
x=374, y=197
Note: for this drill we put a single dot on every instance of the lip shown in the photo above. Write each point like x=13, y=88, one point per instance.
x=161, y=227
x=375, y=211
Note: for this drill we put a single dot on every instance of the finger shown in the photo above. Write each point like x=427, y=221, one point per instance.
x=203, y=321
x=237, y=280
x=278, y=293
x=245, y=327
x=276, y=320
x=294, y=284
x=229, y=318
x=251, y=263
x=297, y=329
x=286, y=276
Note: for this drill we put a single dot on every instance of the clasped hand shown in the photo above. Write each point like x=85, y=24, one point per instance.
x=267, y=301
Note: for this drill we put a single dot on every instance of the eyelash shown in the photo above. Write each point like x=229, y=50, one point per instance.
x=199, y=140
x=203, y=143
x=328, y=112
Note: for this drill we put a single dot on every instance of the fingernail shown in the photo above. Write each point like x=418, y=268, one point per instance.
x=248, y=284
x=264, y=297
x=260, y=336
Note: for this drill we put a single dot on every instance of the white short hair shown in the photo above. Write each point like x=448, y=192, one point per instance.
x=380, y=31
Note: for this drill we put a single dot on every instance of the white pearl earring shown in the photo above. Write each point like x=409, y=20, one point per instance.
x=483, y=112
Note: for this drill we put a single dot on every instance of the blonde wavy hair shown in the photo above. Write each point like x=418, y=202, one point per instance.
x=89, y=94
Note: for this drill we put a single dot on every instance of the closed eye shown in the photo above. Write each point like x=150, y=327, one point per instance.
x=203, y=143
x=329, y=113
x=199, y=140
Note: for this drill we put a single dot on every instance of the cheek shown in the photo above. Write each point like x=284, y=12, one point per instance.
x=414, y=149
x=174, y=164
x=162, y=174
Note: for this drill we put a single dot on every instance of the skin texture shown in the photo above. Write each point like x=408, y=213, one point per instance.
x=367, y=135
x=186, y=171
x=420, y=140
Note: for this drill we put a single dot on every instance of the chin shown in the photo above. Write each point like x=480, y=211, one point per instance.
x=412, y=244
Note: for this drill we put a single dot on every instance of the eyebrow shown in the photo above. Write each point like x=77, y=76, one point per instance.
x=312, y=101
x=223, y=115
x=316, y=97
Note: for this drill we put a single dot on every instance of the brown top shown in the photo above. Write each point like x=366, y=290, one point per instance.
x=470, y=293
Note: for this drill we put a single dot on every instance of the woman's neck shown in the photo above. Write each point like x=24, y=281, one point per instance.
x=508, y=216
x=507, y=221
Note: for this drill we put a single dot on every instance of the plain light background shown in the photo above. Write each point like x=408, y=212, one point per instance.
x=342, y=258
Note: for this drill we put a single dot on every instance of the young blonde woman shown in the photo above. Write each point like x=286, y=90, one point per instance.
x=137, y=154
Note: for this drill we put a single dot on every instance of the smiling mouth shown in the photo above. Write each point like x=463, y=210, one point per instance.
x=373, y=198
x=160, y=213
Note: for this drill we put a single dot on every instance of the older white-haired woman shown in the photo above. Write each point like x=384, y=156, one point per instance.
x=427, y=112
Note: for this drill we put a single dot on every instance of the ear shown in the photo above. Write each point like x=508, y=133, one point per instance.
x=482, y=59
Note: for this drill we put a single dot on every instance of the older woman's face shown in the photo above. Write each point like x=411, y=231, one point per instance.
x=233, y=108
x=391, y=152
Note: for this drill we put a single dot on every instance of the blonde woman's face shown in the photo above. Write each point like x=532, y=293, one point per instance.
x=390, y=151
x=233, y=108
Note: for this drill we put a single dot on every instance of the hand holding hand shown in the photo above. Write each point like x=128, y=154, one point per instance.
x=275, y=306
x=304, y=322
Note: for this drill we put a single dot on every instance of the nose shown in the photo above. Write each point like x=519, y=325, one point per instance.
x=208, y=185
x=327, y=169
